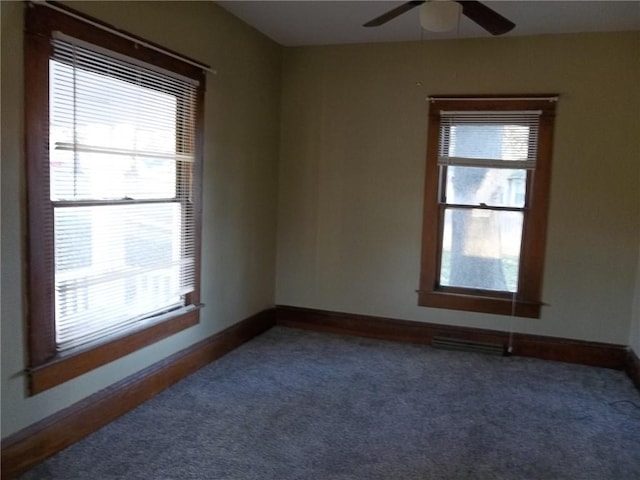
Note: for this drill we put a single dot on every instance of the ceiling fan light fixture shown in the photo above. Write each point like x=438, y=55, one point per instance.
x=440, y=15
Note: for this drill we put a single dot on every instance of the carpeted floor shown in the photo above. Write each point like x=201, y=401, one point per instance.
x=294, y=404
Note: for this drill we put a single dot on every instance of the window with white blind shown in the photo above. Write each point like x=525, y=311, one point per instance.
x=113, y=171
x=486, y=200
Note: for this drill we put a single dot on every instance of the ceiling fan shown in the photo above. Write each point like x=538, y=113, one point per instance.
x=489, y=19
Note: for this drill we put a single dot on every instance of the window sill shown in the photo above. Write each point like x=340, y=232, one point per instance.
x=479, y=303
x=65, y=367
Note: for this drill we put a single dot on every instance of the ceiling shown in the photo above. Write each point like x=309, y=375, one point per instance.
x=294, y=23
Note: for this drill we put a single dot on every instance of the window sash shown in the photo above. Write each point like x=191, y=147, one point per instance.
x=91, y=94
x=136, y=267
x=493, y=243
x=526, y=147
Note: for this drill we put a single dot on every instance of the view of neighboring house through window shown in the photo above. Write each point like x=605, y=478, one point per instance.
x=487, y=193
x=117, y=207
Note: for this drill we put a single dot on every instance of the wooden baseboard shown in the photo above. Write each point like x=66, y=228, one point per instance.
x=632, y=368
x=547, y=348
x=26, y=448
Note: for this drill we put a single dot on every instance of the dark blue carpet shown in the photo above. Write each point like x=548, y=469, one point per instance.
x=294, y=404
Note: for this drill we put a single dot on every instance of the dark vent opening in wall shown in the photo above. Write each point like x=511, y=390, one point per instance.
x=447, y=343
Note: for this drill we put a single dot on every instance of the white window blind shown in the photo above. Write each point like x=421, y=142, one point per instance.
x=121, y=152
x=489, y=139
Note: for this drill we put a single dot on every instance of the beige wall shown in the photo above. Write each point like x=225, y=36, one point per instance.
x=634, y=336
x=240, y=179
x=353, y=135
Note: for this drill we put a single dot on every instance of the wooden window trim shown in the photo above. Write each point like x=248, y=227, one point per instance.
x=527, y=301
x=48, y=368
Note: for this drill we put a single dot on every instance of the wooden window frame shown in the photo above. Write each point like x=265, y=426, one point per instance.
x=47, y=367
x=526, y=302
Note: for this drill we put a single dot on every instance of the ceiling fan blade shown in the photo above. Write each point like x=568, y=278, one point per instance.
x=489, y=19
x=393, y=13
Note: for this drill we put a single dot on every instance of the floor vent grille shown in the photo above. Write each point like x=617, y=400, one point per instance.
x=447, y=343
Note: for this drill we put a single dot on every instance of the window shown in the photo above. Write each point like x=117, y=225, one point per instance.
x=113, y=171
x=486, y=202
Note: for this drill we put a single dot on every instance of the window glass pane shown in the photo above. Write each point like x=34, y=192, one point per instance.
x=491, y=142
x=123, y=144
x=498, y=187
x=481, y=249
x=116, y=264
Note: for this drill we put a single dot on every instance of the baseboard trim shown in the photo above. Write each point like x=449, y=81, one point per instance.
x=26, y=448
x=547, y=348
x=632, y=368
